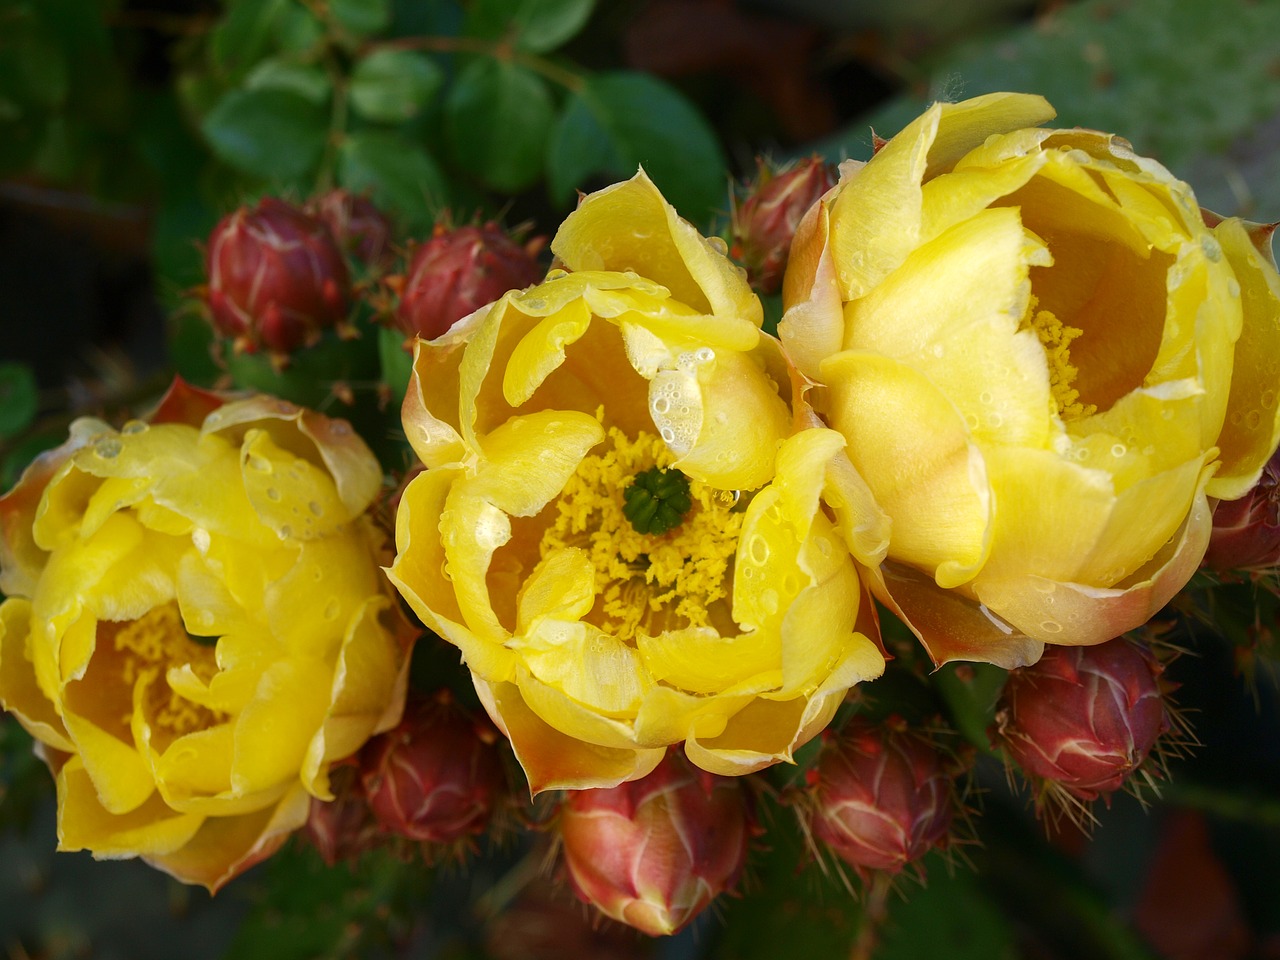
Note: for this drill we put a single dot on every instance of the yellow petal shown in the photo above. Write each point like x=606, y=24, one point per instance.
x=812, y=326
x=699, y=660
x=965, y=341
x=553, y=760
x=913, y=448
x=1252, y=427
x=224, y=847
x=529, y=459
x=600, y=672
x=274, y=729
x=561, y=586
x=542, y=350
x=629, y=226
x=1080, y=614
x=85, y=824
x=19, y=692
x=291, y=496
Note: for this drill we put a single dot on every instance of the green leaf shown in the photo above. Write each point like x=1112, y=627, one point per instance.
x=306, y=80
x=275, y=134
x=971, y=691
x=298, y=31
x=391, y=86
x=398, y=175
x=620, y=121
x=497, y=119
x=19, y=398
x=396, y=361
x=245, y=34
x=361, y=17
x=949, y=917
x=534, y=25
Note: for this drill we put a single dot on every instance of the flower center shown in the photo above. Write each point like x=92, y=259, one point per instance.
x=147, y=648
x=1056, y=337
x=651, y=575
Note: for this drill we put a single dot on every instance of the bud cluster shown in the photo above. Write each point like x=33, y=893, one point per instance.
x=765, y=217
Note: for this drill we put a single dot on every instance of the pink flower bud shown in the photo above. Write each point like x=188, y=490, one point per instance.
x=1246, y=532
x=655, y=852
x=882, y=796
x=361, y=229
x=437, y=776
x=766, y=220
x=276, y=278
x=1083, y=717
x=458, y=271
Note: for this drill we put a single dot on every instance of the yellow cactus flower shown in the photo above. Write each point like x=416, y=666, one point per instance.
x=620, y=525
x=196, y=626
x=1047, y=366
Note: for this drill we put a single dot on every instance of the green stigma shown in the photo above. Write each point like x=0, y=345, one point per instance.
x=657, y=500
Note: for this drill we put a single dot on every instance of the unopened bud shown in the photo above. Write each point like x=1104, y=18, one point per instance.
x=883, y=796
x=1083, y=718
x=362, y=230
x=1246, y=532
x=435, y=777
x=653, y=853
x=765, y=221
x=341, y=828
x=276, y=278
x=457, y=272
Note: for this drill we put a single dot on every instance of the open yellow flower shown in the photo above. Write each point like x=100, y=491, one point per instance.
x=1045, y=364
x=620, y=525
x=197, y=626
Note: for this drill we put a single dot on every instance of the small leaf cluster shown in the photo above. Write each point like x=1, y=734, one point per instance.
x=428, y=107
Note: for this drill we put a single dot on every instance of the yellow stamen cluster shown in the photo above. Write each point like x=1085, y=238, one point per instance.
x=641, y=577
x=151, y=645
x=1056, y=337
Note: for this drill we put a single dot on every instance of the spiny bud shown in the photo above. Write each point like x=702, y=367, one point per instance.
x=765, y=221
x=276, y=278
x=457, y=272
x=1083, y=718
x=882, y=796
x=362, y=231
x=655, y=852
x=435, y=777
x=342, y=828
x=1246, y=532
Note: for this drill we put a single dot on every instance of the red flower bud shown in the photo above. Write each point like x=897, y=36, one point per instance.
x=458, y=271
x=655, y=852
x=341, y=828
x=1246, y=532
x=276, y=278
x=765, y=222
x=882, y=796
x=436, y=776
x=361, y=229
x=1083, y=717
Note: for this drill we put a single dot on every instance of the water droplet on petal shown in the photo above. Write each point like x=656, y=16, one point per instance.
x=134, y=427
x=108, y=448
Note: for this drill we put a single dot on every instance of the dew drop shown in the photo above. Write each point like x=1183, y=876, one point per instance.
x=995, y=420
x=1253, y=419
x=315, y=508
x=1211, y=248
x=340, y=428
x=1268, y=399
x=108, y=448
x=200, y=539
x=971, y=421
x=705, y=355
x=273, y=494
x=260, y=464
x=769, y=600
x=535, y=303
x=661, y=405
x=668, y=435
x=286, y=531
x=790, y=585
x=938, y=350
x=1119, y=449
x=1051, y=626
x=1233, y=286
x=758, y=550
x=985, y=396
x=719, y=245
x=557, y=274
x=134, y=427
x=332, y=608
x=823, y=545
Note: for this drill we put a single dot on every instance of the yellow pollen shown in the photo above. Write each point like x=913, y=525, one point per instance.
x=645, y=581
x=1056, y=337
x=154, y=643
